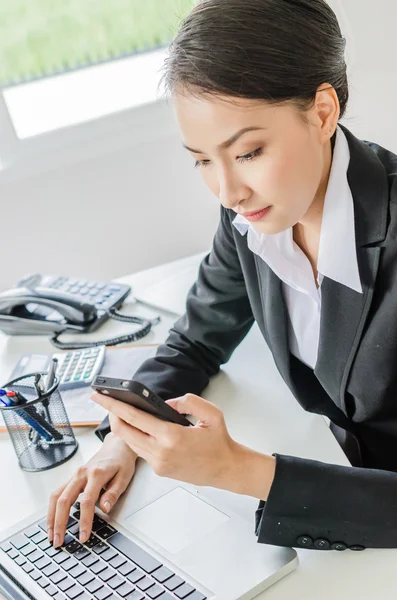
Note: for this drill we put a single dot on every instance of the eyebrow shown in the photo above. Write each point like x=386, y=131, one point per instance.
x=230, y=141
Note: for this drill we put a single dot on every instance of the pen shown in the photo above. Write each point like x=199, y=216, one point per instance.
x=51, y=374
x=39, y=384
x=35, y=416
x=8, y=399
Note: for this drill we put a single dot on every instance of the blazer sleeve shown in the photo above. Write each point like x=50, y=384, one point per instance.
x=218, y=317
x=328, y=507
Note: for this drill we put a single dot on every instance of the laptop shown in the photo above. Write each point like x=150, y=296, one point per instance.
x=164, y=540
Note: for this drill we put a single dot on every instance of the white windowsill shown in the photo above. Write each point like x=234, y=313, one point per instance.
x=69, y=99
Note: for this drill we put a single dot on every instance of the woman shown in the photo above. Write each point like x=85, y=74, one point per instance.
x=306, y=247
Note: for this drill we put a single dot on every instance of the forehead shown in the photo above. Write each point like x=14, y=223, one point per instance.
x=207, y=120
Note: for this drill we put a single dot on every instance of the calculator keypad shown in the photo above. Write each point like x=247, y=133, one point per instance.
x=78, y=365
x=99, y=293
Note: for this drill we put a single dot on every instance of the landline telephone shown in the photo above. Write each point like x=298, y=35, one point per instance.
x=42, y=305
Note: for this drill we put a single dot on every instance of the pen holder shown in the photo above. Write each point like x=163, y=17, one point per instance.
x=39, y=429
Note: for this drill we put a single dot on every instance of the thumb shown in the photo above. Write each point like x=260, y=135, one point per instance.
x=190, y=404
x=113, y=491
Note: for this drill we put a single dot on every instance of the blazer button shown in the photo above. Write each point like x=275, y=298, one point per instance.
x=357, y=548
x=338, y=546
x=304, y=541
x=322, y=544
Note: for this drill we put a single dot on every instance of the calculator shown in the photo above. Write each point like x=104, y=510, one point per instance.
x=75, y=369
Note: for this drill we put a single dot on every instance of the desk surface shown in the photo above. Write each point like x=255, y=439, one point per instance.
x=243, y=388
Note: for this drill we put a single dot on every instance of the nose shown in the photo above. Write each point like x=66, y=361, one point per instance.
x=231, y=190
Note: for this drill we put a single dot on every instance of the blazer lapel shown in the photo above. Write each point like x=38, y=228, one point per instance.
x=344, y=311
x=275, y=316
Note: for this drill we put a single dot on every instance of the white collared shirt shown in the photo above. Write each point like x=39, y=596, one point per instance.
x=337, y=257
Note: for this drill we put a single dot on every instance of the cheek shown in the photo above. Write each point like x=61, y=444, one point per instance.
x=210, y=179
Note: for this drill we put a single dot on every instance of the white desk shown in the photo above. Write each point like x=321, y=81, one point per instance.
x=261, y=413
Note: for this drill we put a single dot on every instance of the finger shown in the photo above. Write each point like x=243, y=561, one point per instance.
x=141, y=443
x=52, y=505
x=65, y=501
x=95, y=483
x=138, y=418
x=114, y=489
x=190, y=404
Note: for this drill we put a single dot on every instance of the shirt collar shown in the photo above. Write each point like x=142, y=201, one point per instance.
x=337, y=258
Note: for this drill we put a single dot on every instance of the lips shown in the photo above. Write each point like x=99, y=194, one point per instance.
x=254, y=212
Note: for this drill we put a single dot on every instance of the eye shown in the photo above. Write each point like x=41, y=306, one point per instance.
x=250, y=156
x=199, y=164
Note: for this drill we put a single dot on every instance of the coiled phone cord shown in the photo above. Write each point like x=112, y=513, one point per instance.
x=146, y=326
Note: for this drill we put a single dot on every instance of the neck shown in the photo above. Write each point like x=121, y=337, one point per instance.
x=311, y=222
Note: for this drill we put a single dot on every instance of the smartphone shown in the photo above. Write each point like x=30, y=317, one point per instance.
x=138, y=395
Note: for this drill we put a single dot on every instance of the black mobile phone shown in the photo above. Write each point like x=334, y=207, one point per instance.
x=138, y=395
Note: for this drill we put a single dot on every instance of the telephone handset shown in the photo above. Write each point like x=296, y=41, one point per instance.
x=42, y=305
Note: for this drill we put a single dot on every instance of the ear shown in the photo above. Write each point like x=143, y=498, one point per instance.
x=327, y=111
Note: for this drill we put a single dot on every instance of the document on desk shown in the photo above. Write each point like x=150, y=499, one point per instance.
x=123, y=363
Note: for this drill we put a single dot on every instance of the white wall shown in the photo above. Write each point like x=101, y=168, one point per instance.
x=109, y=206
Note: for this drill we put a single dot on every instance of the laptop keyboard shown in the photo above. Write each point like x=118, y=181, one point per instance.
x=109, y=566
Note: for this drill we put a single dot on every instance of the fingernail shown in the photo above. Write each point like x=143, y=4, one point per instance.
x=83, y=537
x=107, y=506
x=49, y=533
x=56, y=541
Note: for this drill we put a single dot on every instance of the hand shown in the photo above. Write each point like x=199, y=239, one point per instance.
x=111, y=468
x=203, y=454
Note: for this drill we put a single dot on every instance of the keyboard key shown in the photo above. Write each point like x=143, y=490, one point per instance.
x=13, y=553
x=7, y=546
x=73, y=546
x=52, y=552
x=61, y=558
x=115, y=582
x=86, y=578
x=74, y=592
x=184, y=591
x=94, y=586
x=126, y=569
x=43, y=582
x=66, y=584
x=50, y=570
x=59, y=596
x=137, y=595
x=20, y=560
x=68, y=539
x=35, y=574
x=98, y=523
x=98, y=567
x=51, y=590
x=99, y=548
x=117, y=561
x=35, y=556
x=132, y=551
x=42, y=563
x=145, y=583
x=109, y=555
x=33, y=531
x=103, y=594
x=92, y=541
x=28, y=568
x=155, y=591
x=106, y=532
x=89, y=560
x=39, y=537
x=58, y=577
x=20, y=541
x=81, y=553
x=44, y=545
x=74, y=529
x=78, y=571
x=107, y=574
x=70, y=564
x=173, y=583
x=162, y=574
x=136, y=575
x=124, y=590
x=197, y=596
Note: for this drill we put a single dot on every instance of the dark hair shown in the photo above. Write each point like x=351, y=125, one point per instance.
x=274, y=50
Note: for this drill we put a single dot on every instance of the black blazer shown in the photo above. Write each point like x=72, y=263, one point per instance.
x=354, y=382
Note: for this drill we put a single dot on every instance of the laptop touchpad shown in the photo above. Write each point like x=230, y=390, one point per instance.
x=177, y=520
